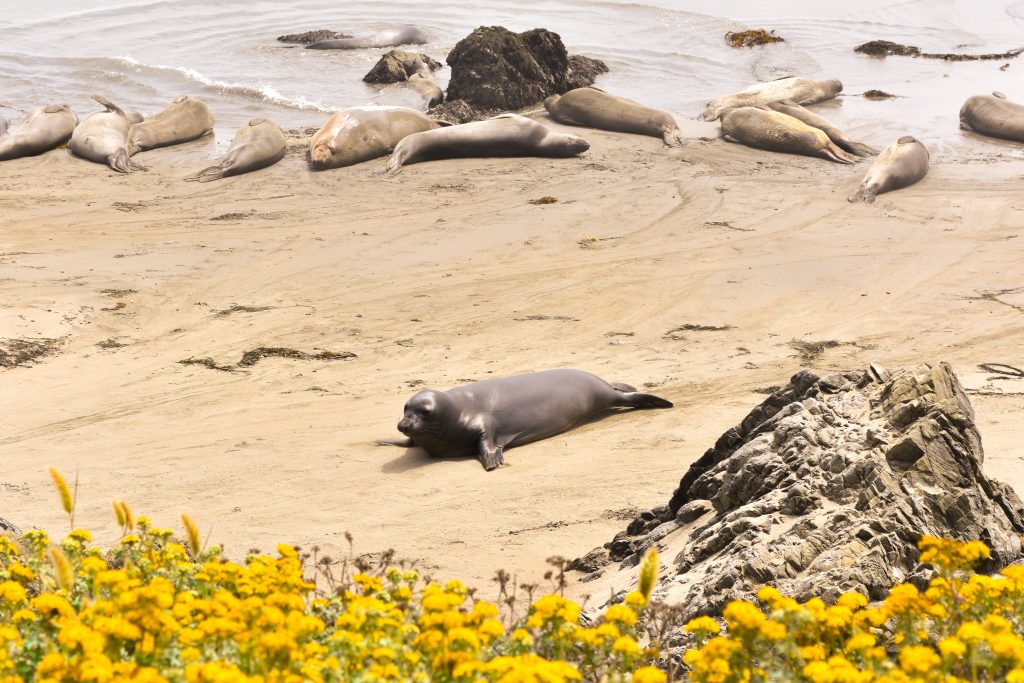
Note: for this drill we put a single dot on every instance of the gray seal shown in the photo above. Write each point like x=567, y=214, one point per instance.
x=425, y=85
x=484, y=418
x=257, y=144
x=406, y=35
x=814, y=121
x=767, y=129
x=357, y=134
x=596, y=108
x=103, y=137
x=901, y=164
x=42, y=130
x=800, y=90
x=184, y=119
x=993, y=115
x=501, y=136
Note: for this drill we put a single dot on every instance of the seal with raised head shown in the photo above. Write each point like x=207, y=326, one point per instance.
x=767, y=129
x=357, y=134
x=821, y=123
x=406, y=35
x=40, y=131
x=257, y=144
x=425, y=85
x=484, y=418
x=993, y=115
x=103, y=137
x=596, y=108
x=800, y=90
x=901, y=164
x=502, y=136
x=184, y=119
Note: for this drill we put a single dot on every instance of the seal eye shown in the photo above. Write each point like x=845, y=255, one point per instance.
x=426, y=410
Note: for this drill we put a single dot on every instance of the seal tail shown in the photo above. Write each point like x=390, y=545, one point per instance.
x=122, y=163
x=859, y=149
x=863, y=194
x=636, y=399
x=673, y=138
x=109, y=105
x=833, y=153
x=207, y=175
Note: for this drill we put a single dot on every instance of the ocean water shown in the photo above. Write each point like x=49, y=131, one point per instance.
x=667, y=53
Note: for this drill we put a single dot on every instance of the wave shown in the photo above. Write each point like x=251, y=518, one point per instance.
x=261, y=91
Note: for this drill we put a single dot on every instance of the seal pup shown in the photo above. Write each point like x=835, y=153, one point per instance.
x=103, y=137
x=814, y=121
x=357, y=134
x=426, y=86
x=901, y=164
x=406, y=35
x=502, y=136
x=767, y=129
x=596, y=108
x=993, y=115
x=486, y=417
x=184, y=119
x=800, y=90
x=40, y=131
x=257, y=144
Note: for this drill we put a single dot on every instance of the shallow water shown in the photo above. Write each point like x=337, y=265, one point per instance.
x=670, y=54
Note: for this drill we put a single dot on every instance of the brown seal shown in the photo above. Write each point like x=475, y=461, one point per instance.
x=358, y=134
x=42, y=130
x=901, y=164
x=186, y=118
x=821, y=123
x=257, y=144
x=406, y=35
x=993, y=115
x=484, y=418
x=596, y=108
x=103, y=137
x=767, y=129
x=799, y=90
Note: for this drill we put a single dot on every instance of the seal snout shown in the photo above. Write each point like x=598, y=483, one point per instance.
x=578, y=145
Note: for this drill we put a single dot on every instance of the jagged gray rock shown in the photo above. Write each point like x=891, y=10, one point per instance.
x=825, y=487
x=398, y=65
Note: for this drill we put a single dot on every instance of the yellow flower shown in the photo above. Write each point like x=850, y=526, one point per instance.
x=620, y=614
x=861, y=641
x=852, y=601
x=952, y=648
x=742, y=615
x=649, y=674
x=702, y=625
x=773, y=630
x=919, y=659
x=626, y=645
x=11, y=592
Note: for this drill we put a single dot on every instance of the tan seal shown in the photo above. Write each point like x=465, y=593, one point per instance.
x=766, y=129
x=42, y=130
x=799, y=90
x=186, y=118
x=596, y=108
x=993, y=115
x=103, y=137
x=901, y=164
x=257, y=144
x=358, y=134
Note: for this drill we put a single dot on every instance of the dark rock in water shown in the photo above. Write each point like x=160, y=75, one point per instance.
x=312, y=36
x=396, y=66
x=884, y=48
x=583, y=71
x=752, y=37
x=826, y=487
x=459, y=111
x=494, y=67
x=879, y=95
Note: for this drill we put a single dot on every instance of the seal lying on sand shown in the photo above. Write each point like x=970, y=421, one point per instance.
x=993, y=115
x=502, y=136
x=257, y=144
x=799, y=90
x=186, y=118
x=595, y=108
x=42, y=130
x=901, y=164
x=814, y=121
x=766, y=129
x=358, y=134
x=103, y=137
x=484, y=418
x=407, y=35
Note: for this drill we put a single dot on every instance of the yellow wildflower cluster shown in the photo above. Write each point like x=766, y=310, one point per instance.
x=962, y=628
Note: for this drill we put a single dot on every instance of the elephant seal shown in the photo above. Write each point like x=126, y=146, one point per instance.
x=358, y=134
x=596, y=108
x=186, y=118
x=406, y=35
x=766, y=129
x=486, y=417
x=501, y=136
x=103, y=137
x=993, y=115
x=901, y=164
x=814, y=121
x=800, y=90
x=3, y=126
x=42, y=130
x=257, y=144
x=426, y=86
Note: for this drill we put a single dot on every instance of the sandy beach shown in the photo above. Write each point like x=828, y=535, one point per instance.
x=452, y=272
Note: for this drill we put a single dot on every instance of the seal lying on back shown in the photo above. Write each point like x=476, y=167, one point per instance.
x=486, y=417
x=40, y=131
x=595, y=108
x=186, y=118
x=901, y=164
x=358, y=134
x=407, y=35
x=502, y=136
x=766, y=129
x=800, y=90
x=257, y=144
x=993, y=115
x=103, y=137
x=814, y=121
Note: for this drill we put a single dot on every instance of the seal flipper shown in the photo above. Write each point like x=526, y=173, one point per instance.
x=672, y=138
x=122, y=163
x=207, y=174
x=490, y=453
x=110, y=105
x=864, y=194
x=624, y=388
x=636, y=399
x=832, y=152
x=401, y=443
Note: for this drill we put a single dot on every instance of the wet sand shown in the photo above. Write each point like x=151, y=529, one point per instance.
x=449, y=273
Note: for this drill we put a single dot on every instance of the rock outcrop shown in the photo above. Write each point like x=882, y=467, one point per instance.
x=398, y=65
x=494, y=67
x=825, y=487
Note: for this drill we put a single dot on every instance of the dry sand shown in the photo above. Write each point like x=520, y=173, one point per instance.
x=448, y=273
